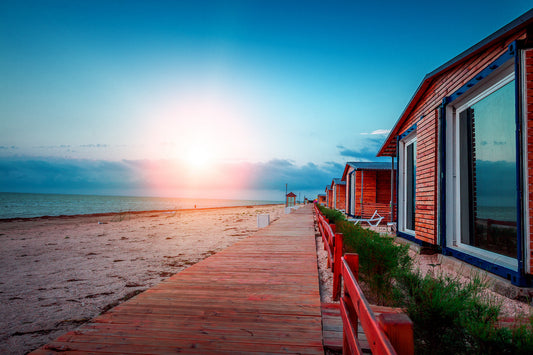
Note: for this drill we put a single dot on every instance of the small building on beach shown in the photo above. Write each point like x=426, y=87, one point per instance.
x=338, y=192
x=290, y=199
x=369, y=188
x=321, y=199
x=464, y=148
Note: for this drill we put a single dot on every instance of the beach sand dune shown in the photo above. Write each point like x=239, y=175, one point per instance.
x=59, y=272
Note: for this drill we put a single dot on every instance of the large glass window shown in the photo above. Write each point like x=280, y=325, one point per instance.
x=352, y=193
x=487, y=172
x=410, y=185
x=407, y=183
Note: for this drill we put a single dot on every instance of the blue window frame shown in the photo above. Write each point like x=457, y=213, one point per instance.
x=481, y=212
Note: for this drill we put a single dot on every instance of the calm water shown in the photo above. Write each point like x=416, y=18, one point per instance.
x=35, y=205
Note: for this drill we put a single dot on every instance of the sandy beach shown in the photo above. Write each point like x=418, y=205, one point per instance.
x=59, y=272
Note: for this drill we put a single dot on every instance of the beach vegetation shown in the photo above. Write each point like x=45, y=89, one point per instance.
x=450, y=316
x=333, y=216
x=381, y=261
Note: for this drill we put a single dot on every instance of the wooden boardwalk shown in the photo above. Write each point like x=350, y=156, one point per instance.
x=260, y=295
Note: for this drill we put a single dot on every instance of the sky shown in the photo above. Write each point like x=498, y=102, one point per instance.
x=214, y=99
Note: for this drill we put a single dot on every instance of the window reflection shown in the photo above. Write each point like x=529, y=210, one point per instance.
x=410, y=182
x=488, y=173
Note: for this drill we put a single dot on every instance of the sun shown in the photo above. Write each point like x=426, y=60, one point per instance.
x=198, y=156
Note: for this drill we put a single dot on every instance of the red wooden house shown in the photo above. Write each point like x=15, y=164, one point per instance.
x=369, y=189
x=464, y=146
x=322, y=199
x=338, y=193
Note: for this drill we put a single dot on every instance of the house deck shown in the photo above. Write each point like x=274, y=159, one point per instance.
x=260, y=295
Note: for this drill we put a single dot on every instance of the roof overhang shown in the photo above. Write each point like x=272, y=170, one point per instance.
x=346, y=169
x=389, y=146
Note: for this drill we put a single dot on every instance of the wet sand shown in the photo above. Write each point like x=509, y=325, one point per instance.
x=59, y=272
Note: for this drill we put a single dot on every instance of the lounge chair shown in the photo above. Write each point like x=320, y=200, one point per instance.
x=376, y=217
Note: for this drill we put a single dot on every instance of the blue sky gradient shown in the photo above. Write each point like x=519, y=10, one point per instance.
x=275, y=91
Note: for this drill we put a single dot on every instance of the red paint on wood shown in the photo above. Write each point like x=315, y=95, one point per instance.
x=386, y=335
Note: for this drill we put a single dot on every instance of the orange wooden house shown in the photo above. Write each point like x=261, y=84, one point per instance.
x=338, y=193
x=464, y=146
x=369, y=189
x=321, y=199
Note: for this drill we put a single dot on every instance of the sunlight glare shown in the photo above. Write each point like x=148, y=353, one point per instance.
x=198, y=156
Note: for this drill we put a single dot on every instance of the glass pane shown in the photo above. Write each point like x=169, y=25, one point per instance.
x=410, y=186
x=488, y=170
x=352, y=194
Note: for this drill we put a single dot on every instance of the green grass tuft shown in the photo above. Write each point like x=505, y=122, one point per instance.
x=449, y=316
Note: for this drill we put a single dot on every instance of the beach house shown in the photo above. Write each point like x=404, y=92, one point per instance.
x=321, y=199
x=369, y=189
x=338, y=192
x=329, y=197
x=464, y=150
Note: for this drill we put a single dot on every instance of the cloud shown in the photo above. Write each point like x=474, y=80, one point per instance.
x=367, y=150
x=378, y=132
x=68, y=175
x=276, y=173
x=61, y=146
x=165, y=177
x=94, y=145
x=381, y=132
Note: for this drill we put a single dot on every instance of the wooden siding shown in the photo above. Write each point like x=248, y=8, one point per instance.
x=375, y=186
x=383, y=193
x=341, y=197
x=424, y=115
x=433, y=89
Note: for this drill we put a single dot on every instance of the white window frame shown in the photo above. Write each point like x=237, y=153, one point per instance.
x=334, y=196
x=354, y=189
x=494, y=82
x=402, y=183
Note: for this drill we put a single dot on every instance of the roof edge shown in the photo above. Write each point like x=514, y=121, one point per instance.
x=516, y=24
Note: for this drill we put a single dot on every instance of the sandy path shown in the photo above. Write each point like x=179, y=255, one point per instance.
x=57, y=273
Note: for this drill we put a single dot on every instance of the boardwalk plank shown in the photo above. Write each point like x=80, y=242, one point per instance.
x=258, y=296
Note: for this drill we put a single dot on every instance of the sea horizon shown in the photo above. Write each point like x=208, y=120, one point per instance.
x=31, y=205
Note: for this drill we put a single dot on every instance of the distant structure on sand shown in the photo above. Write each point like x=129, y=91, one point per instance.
x=290, y=200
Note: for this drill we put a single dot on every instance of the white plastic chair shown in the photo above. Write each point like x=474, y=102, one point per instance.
x=376, y=217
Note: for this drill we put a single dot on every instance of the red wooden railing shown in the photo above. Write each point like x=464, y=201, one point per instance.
x=388, y=333
x=333, y=244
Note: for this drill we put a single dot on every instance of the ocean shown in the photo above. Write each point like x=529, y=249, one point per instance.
x=26, y=205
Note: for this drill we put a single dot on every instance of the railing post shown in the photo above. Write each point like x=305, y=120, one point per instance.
x=353, y=262
x=337, y=267
x=399, y=330
x=331, y=236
